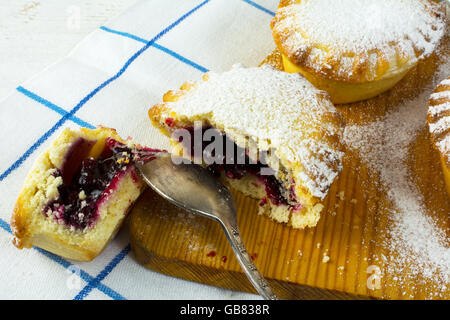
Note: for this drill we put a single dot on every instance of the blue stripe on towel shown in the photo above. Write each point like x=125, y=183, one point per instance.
x=102, y=275
x=83, y=275
x=5, y=226
x=159, y=47
x=53, y=107
x=66, y=264
x=70, y=114
x=260, y=7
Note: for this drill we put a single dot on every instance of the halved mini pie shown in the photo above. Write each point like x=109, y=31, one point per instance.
x=78, y=193
x=439, y=125
x=280, y=137
x=356, y=50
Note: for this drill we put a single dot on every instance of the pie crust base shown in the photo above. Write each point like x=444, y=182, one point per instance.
x=346, y=92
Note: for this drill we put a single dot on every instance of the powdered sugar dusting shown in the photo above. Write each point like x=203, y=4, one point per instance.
x=444, y=145
x=441, y=95
x=277, y=110
x=440, y=126
x=421, y=248
x=439, y=117
x=438, y=109
x=361, y=29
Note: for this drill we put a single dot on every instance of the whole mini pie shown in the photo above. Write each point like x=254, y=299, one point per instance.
x=356, y=49
x=439, y=125
x=277, y=137
x=78, y=192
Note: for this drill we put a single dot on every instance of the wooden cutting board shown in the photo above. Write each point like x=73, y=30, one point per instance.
x=342, y=257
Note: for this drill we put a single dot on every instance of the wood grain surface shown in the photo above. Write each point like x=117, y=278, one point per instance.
x=335, y=260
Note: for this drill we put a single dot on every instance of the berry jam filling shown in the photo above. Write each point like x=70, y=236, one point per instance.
x=236, y=170
x=87, y=181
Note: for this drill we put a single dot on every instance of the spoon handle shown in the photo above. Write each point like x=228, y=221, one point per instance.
x=244, y=259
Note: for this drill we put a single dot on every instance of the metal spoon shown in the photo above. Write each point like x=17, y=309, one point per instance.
x=195, y=189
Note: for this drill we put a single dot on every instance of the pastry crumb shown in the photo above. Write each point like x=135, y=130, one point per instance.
x=82, y=195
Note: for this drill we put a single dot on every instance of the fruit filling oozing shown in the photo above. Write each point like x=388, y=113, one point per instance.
x=87, y=181
x=276, y=192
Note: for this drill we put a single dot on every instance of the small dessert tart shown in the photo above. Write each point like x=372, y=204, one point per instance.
x=356, y=49
x=439, y=125
x=78, y=192
x=277, y=137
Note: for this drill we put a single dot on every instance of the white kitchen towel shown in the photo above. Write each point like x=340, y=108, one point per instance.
x=112, y=78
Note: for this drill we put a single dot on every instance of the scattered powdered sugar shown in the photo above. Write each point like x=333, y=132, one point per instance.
x=356, y=28
x=420, y=247
x=280, y=111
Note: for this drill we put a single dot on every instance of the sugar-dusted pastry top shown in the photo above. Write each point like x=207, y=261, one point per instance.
x=439, y=118
x=357, y=40
x=279, y=111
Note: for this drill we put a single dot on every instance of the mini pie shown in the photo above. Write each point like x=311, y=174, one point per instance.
x=77, y=193
x=356, y=49
x=287, y=131
x=439, y=125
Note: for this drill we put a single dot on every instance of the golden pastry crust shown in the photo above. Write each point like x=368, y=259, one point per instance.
x=324, y=60
x=275, y=111
x=31, y=227
x=438, y=119
x=333, y=44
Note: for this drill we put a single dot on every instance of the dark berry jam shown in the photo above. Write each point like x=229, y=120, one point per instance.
x=211, y=254
x=170, y=122
x=235, y=169
x=86, y=181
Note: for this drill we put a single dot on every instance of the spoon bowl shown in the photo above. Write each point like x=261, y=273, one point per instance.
x=195, y=189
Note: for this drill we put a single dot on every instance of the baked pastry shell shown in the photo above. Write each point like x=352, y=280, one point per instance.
x=310, y=213
x=372, y=72
x=30, y=227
